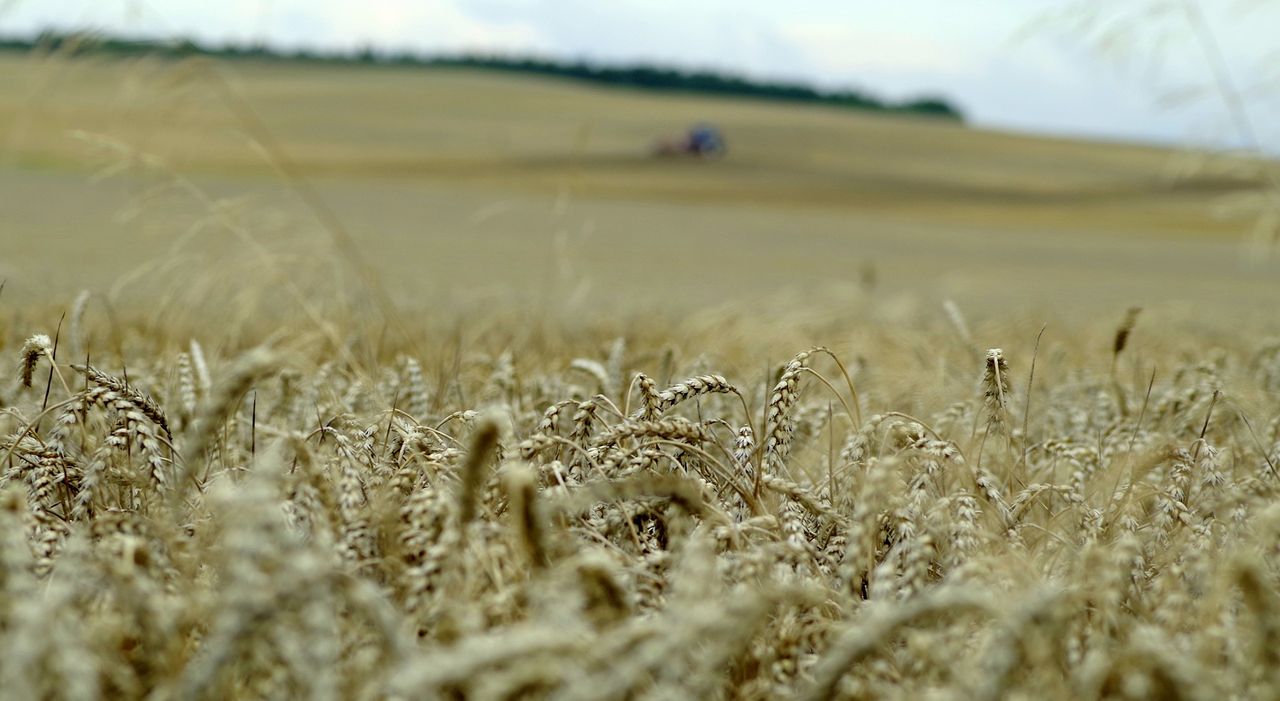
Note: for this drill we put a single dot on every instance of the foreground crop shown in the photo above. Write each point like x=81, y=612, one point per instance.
x=268, y=525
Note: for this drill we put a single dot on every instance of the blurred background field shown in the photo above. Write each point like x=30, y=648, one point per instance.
x=332, y=376
x=463, y=187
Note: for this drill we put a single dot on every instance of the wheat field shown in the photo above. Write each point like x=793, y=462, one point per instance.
x=470, y=187
x=252, y=448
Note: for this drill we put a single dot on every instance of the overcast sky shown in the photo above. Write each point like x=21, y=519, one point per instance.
x=1000, y=60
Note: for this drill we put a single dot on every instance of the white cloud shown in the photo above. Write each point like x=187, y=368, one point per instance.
x=420, y=24
x=435, y=24
x=844, y=50
x=959, y=48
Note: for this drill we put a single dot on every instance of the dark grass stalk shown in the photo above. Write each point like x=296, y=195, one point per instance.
x=1265, y=456
x=53, y=359
x=1026, y=409
x=1118, y=344
x=253, y=429
x=484, y=443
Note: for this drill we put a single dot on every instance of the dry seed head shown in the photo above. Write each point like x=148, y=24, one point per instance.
x=596, y=370
x=522, y=493
x=670, y=429
x=995, y=388
x=186, y=386
x=203, y=433
x=416, y=388
x=75, y=321
x=614, y=363
x=484, y=443
x=1260, y=596
x=648, y=397
x=129, y=393
x=779, y=425
x=605, y=600
x=203, y=383
x=957, y=321
x=804, y=496
x=32, y=350
x=744, y=444
x=1124, y=330
x=690, y=388
x=684, y=493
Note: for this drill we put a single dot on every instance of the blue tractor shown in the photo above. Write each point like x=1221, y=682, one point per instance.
x=701, y=141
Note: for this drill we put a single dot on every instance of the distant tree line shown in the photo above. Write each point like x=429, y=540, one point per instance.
x=644, y=77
